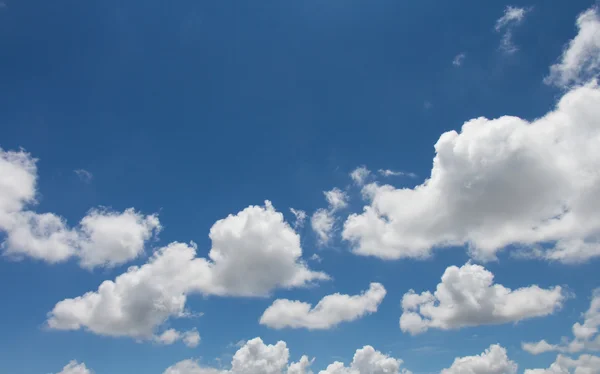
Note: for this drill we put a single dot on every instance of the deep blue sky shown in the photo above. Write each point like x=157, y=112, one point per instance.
x=197, y=109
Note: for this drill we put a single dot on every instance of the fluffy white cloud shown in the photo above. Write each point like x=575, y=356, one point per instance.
x=322, y=223
x=581, y=59
x=510, y=19
x=586, y=334
x=493, y=361
x=367, y=360
x=74, y=367
x=190, y=338
x=498, y=182
x=336, y=198
x=585, y=364
x=360, y=175
x=300, y=216
x=253, y=253
x=329, y=312
x=103, y=238
x=467, y=296
x=254, y=357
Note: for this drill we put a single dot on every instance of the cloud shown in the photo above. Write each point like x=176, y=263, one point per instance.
x=459, y=59
x=360, y=175
x=467, y=296
x=190, y=338
x=585, y=364
x=368, y=360
x=74, y=367
x=586, y=334
x=336, y=198
x=329, y=312
x=497, y=183
x=103, y=237
x=392, y=173
x=512, y=17
x=580, y=60
x=493, y=361
x=253, y=253
x=255, y=357
x=322, y=223
x=300, y=216
x=84, y=175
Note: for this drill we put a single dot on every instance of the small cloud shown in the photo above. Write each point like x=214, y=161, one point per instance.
x=512, y=17
x=427, y=105
x=359, y=175
x=84, y=175
x=336, y=198
x=300, y=218
x=392, y=173
x=316, y=257
x=459, y=59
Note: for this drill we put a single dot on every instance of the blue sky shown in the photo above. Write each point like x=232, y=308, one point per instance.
x=189, y=112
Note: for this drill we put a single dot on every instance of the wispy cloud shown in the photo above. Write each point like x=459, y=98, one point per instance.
x=84, y=175
x=459, y=59
x=512, y=17
x=392, y=173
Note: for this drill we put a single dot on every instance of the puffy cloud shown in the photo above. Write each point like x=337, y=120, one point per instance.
x=254, y=357
x=496, y=183
x=467, y=296
x=512, y=17
x=336, y=198
x=322, y=223
x=493, y=361
x=329, y=312
x=360, y=175
x=585, y=364
x=253, y=253
x=368, y=360
x=190, y=338
x=103, y=238
x=74, y=367
x=586, y=334
x=580, y=61
x=300, y=216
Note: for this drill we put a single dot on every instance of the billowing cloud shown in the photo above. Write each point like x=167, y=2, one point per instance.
x=586, y=334
x=493, y=361
x=254, y=357
x=580, y=60
x=512, y=17
x=585, y=364
x=368, y=360
x=74, y=367
x=496, y=183
x=253, y=253
x=467, y=296
x=103, y=237
x=329, y=312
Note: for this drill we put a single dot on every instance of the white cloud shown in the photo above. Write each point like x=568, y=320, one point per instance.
x=493, y=361
x=322, y=223
x=367, y=360
x=467, y=296
x=253, y=253
x=459, y=59
x=300, y=217
x=392, y=173
x=512, y=17
x=254, y=357
x=190, y=338
x=360, y=175
x=84, y=175
x=496, y=183
x=586, y=334
x=329, y=312
x=580, y=61
x=103, y=238
x=74, y=367
x=336, y=198
x=585, y=364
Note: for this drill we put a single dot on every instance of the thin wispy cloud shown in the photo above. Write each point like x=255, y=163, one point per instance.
x=84, y=175
x=512, y=17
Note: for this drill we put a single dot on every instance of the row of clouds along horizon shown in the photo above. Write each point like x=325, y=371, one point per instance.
x=531, y=185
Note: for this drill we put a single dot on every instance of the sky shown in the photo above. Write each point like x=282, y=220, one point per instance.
x=270, y=187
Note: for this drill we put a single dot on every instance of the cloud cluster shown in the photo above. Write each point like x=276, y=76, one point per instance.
x=580, y=61
x=253, y=253
x=368, y=360
x=329, y=312
x=585, y=364
x=103, y=237
x=586, y=334
x=467, y=296
x=493, y=361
